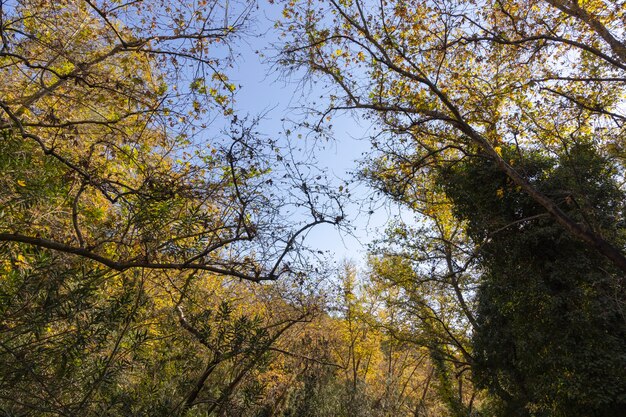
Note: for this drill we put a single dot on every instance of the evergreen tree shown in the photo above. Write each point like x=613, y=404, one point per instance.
x=551, y=329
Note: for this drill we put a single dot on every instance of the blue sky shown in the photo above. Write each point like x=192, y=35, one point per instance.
x=265, y=90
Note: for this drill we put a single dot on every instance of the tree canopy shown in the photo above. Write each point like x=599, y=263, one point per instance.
x=153, y=258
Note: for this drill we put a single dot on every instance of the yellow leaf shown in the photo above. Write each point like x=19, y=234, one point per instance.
x=21, y=183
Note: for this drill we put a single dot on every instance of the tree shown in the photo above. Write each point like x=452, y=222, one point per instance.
x=550, y=325
x=448, y=78
x=122, y=205
x=507, y=86
x=100, y=98
x=430, y=320
x=367, y=362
